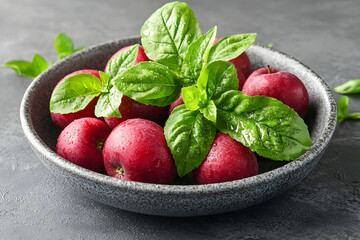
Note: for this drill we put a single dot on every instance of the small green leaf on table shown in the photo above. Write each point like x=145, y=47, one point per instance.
x=350, y=87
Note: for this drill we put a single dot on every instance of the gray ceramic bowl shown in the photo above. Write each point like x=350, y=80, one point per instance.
x=176, y=200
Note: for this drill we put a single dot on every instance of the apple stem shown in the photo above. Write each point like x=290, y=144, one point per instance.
x=120, y=171
x=269, y=70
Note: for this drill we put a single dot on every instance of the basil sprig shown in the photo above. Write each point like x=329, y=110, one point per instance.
x=76, y=92
x=188, y=62
x=28, y=69
x=271, y=128
x=265, y=125
x=199, y=70
x=64, y=46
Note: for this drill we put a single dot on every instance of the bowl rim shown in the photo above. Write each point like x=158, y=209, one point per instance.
x=50, y=155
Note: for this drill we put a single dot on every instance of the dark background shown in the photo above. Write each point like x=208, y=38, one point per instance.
x=324, y=35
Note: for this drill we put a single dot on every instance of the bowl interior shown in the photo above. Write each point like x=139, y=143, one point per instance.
x=320, y=117
x=96, y=57
x=181, y=198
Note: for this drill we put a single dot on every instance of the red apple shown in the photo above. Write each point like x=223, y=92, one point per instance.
x=136, y=150
x=228, y=160
x=81, y=142
x=62, y=120
x=242, y=65
x=283, y=86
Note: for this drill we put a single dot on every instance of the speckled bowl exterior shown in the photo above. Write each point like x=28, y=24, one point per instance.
x=175, y=200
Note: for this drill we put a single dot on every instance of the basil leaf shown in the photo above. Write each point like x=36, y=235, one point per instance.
x=39, y=64
x=108, y=104
x=123, y=61
x=189, y=136
x=64, y=46
x=210, y=111
x=28, y=69
x=193, y=98
x=148, y=83
x=75, y=93
x=265, y=125
x=105, y=79
x=217, y=78
x=165, y=101
x=168, y=32
x=197, y=54
x=231, y=47
x=343, y=109
x=21, y=67
x=270, y=45
x=350, y=87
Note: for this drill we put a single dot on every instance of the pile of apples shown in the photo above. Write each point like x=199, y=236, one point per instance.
x=134, y=147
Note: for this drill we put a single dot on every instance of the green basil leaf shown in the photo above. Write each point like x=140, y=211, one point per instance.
x=265, y=125
x=123, y=61
x=270, y=45
x=75, y=93
x=343, y=108
x=165, y=101
x=108, y=104
x=231, y=47
x=105, y=79
x=194, y=98
x=21, y=67
x=64, y=46
x=168, y=32
x=210, y=111
x=39, y=64
x=186, y=82
x=217, y=78
x=148, y=83
x=28, y=69
x=350, y=87
x=189, y=136
x=197, y=54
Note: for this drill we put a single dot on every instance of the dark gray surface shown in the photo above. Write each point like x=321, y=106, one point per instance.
x=322, y=34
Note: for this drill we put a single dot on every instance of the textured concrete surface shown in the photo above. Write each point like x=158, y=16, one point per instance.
x=322, y=34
